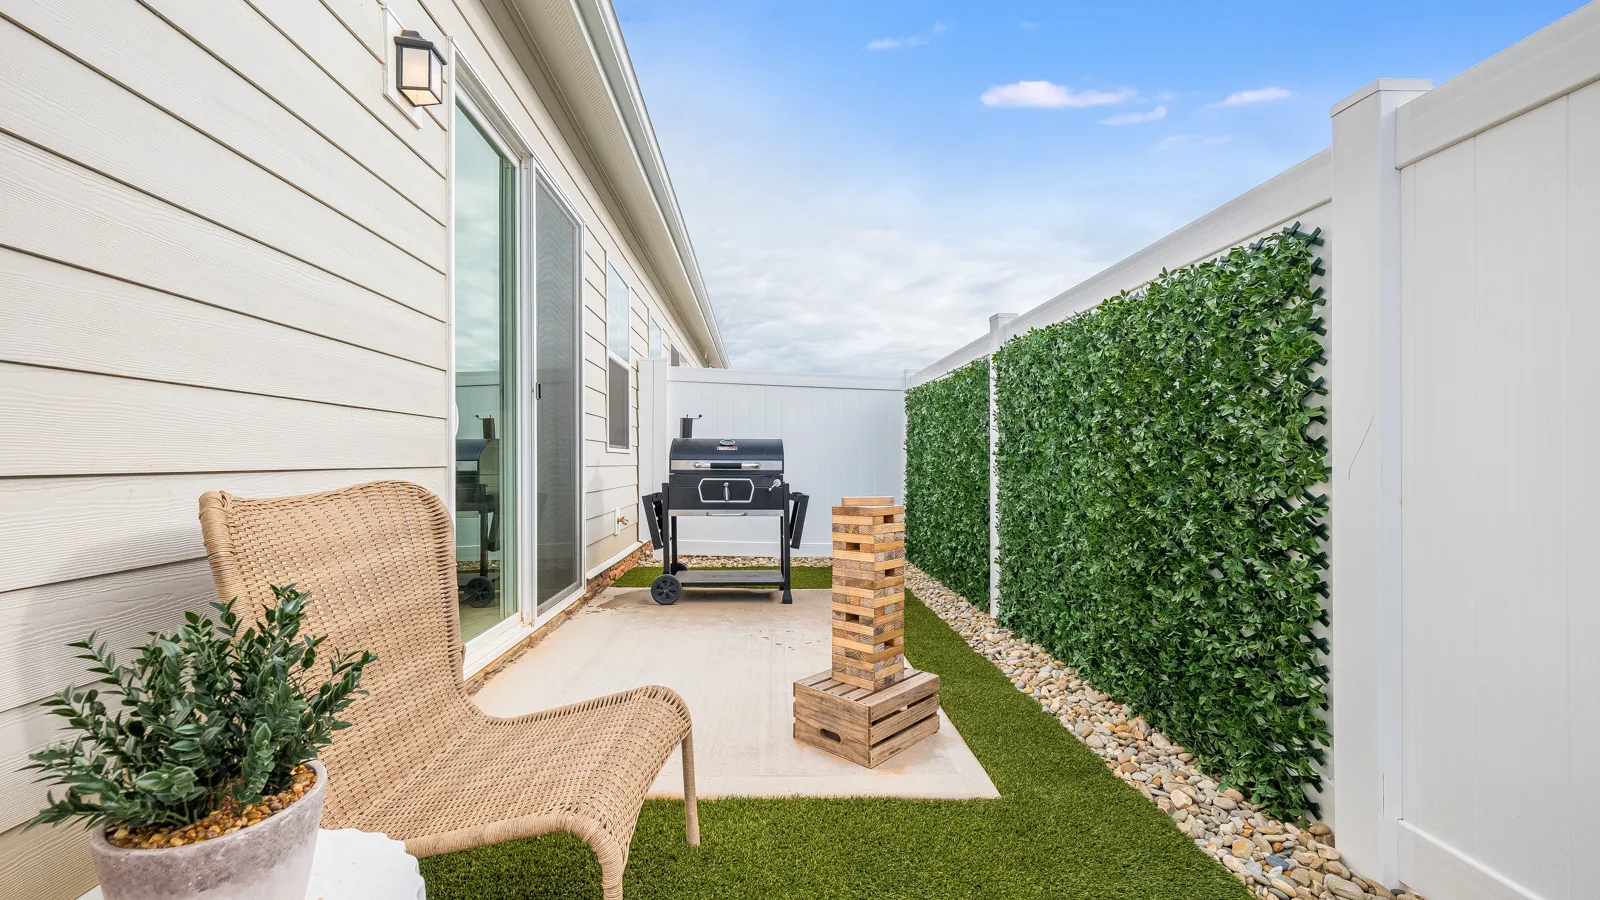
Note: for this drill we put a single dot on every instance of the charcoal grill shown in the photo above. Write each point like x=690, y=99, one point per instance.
x=723, y=477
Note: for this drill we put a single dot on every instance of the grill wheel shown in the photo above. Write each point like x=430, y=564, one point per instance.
x=666, y=589
x=478, y=592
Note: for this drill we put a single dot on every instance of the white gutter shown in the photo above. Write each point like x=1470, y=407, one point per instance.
x=605, y=41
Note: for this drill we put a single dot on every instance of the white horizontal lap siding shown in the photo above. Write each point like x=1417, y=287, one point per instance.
x=64, y=317
x=87, y=220
x=66, y=528
x=315, y=28
x=47, y=863
x=225, y=271
x=22, y=731
x=56, y=422
x=122, y=608
x=78, y=114
x=601, y=478
x=119, y=38
x=1499, y=306
x=262, y=54
x=363, y=20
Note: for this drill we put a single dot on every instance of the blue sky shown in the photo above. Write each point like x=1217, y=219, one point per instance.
x=865, y=182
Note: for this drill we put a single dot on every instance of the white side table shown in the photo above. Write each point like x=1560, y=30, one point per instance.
x=356, y=865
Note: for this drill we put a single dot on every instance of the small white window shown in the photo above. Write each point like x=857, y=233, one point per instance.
x=655, y=337
x=616, y=314
x=618, y=403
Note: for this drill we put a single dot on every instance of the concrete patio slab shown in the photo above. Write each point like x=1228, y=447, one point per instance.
x=734, y=656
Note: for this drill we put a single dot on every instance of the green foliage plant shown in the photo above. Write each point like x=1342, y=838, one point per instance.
x=947, y=480
x=1161, y=466
x=205, y=716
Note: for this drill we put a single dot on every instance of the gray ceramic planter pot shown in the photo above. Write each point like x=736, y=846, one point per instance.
x=270, y=860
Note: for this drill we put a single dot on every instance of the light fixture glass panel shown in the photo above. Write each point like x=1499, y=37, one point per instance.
x=419, y=70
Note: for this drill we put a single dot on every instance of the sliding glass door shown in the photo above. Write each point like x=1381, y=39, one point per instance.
x=558, y=458
x=486, y=367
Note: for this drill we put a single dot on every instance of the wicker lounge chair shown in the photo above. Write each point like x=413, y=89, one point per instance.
x=421, y=762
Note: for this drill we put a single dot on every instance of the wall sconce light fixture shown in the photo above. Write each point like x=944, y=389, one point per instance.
x=419, y=74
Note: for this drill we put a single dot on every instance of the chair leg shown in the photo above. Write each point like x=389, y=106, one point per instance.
x=612, y=865
x=691, y=809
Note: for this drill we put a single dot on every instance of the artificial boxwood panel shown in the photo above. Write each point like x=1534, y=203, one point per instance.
x=1160, y=511
x=947, y=480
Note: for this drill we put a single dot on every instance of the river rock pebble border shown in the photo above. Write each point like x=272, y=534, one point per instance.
x=1274, y=859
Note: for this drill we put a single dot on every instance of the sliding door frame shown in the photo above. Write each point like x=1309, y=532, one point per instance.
x=468, y=90
x=558, y=603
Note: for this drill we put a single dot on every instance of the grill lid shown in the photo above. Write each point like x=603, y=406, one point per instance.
x=727, y=449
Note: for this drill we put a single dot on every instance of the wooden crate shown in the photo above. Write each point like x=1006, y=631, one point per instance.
x=869, y=552
x=865, y=727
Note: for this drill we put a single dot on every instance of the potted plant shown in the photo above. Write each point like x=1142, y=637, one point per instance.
x=195, y=767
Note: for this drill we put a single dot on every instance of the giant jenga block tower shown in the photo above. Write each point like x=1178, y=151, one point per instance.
x=869, y=706
x=869, y=615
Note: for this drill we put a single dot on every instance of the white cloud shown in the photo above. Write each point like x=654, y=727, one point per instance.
x=1047, y=95
x=1133, y=118
x=1259, y=95
x=1190, y=140
x=870, y=299
x=915, y=40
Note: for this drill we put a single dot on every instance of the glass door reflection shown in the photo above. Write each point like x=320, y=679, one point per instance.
x=485, y=379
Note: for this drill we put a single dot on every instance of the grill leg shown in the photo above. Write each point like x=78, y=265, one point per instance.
x=783, y=546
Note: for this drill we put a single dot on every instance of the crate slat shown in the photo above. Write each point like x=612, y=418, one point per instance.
x=865, y=727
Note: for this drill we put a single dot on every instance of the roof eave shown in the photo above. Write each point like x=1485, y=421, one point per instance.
x=581, y=43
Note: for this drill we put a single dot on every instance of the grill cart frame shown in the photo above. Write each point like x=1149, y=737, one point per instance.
x=724, y=478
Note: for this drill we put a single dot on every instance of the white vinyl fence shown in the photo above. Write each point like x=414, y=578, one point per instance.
x=1491, y=324
x=842, y=435
x=1461, y=224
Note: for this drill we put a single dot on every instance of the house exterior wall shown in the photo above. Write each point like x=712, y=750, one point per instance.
x=224, y=264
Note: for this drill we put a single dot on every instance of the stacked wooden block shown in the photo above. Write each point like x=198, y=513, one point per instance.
x=869, y=706
x=869, y=592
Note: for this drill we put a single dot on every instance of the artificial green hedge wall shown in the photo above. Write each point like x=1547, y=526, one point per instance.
x=1160, y=516
x=947, y=480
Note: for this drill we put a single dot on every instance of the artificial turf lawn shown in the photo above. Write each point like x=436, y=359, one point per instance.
x=1064, y=826
x=800, y=577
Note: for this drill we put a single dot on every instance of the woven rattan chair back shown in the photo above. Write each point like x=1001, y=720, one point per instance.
x=379, y=564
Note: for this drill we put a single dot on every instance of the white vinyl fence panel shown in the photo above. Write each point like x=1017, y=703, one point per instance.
x=1501, y=640
x=842, y=435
